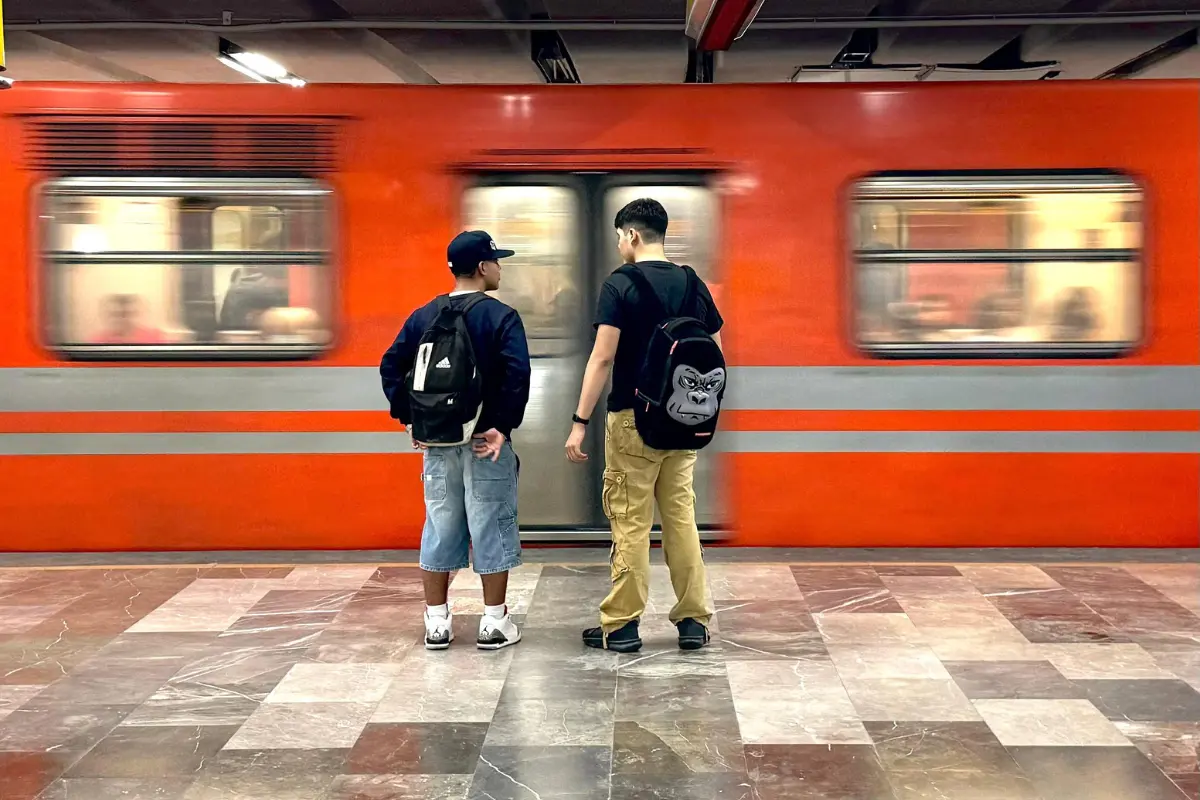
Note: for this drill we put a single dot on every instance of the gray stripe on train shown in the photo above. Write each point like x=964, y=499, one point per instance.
x=59, y=444
x=897, y=388
x=121, y=444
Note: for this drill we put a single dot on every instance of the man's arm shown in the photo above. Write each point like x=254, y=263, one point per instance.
x=514, y=388
x=599, y=364
x=393, y=370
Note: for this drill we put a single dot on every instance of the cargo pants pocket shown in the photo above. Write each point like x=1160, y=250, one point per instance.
x=615, y=495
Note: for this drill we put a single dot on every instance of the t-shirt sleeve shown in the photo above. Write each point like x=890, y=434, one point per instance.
x=610, y=306
x=713, y=321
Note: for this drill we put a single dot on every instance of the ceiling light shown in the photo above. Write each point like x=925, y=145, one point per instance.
x=256, y=65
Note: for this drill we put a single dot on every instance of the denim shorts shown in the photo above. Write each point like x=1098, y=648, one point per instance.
x=470, y=504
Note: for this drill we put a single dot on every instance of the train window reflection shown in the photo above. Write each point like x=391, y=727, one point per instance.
x=1006, y=267
x=540, y=281
x=158, y=268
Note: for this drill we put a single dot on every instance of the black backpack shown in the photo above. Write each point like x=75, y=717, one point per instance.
x=682, y=382
x=445, y=389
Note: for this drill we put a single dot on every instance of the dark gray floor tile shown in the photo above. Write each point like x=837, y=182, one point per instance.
x=40, y=660
x=268, y=775
x=712, y=786
x=417, y=748
x=948, y=759
x=918, y=570
x=676, y=747
x=1068, y=631
x=1012, y=680
x=67, y=729
x=400, y=787
x=764, y=630
x=117, y=789
x=1094, y=773
x=152, y=752
x=1144, y=700
x=703, y=698
x=551, y=773
x=246, y=573
x=817, y=772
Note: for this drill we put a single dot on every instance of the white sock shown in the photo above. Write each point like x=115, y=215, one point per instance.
x=495, y=612
x=442, y=611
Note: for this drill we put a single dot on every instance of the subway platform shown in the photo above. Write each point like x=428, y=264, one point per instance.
x=872, y=675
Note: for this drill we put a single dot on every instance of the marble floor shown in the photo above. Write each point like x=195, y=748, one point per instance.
x=852, y=681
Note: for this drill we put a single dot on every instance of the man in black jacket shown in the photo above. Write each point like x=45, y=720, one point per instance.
x=470, y=491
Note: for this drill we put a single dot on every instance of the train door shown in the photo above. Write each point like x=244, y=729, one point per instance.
x=561, y=228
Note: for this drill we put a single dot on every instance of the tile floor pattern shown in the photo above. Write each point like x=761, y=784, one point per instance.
x=884, y=682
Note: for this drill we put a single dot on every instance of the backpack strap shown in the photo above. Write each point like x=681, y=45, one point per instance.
x=691, y=293
x=472, y=301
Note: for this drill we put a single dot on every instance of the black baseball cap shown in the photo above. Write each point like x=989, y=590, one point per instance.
x=470, y=247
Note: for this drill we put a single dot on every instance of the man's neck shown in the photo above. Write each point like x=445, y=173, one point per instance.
x=650, y=253
x=469, y=285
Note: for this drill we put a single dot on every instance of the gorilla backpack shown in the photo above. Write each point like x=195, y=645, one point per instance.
x=445, y=389
x=682, y=382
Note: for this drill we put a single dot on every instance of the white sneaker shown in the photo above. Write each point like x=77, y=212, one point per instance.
x=439, y=632
x=495, y=633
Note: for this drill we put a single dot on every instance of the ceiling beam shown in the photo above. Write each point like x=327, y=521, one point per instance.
x=1154, y=56
x=717, y=24
x=388, y=55
x=81, y=58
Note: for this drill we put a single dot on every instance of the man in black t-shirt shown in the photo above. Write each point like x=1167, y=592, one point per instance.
x=635, y=475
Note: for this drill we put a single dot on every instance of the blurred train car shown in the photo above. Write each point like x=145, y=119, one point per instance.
x=957, y=314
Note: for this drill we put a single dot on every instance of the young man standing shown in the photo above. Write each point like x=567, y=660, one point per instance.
x=464, y=356
x=635, y=474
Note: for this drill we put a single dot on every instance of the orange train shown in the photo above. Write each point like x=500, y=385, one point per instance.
x=958, y=315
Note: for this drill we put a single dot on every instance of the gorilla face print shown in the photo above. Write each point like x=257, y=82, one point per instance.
x=693, y=397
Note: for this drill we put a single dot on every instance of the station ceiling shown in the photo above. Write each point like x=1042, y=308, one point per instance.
x=601, y=41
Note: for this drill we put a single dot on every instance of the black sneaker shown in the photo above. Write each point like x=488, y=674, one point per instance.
x=692, y=635
x=623, y=640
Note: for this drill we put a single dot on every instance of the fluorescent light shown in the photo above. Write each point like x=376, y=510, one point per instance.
x=267, y=67
x=249, y=73
x=256, y=65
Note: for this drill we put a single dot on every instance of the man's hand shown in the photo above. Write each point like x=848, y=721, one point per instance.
x=575, y=444
x=415, y=444
x=488, y=443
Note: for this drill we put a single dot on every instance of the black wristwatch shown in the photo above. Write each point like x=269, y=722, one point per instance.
x=579, y=420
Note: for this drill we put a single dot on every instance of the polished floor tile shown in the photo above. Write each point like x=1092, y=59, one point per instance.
x=1094, y=773
x=1049, y=723
x=889, y=681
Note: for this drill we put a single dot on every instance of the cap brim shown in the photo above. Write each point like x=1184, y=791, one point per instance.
x=503, y=254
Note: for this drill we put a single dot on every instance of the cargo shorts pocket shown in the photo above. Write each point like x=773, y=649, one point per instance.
x=615, y=495
x=433, y=476
x=494, y=482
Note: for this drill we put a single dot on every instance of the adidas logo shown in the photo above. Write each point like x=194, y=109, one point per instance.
x=443, y=364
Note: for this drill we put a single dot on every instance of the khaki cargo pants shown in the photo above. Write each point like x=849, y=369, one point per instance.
x=634, y=478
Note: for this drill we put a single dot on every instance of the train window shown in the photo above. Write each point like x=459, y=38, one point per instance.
x=149, y=268
x=692, y=214
x=949, y=266
x=541, y=280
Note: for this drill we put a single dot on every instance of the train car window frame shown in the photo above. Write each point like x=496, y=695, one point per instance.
x=178, y=303
x=1030, y=313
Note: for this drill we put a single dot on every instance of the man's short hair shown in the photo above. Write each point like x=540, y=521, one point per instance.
x=646, y=216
